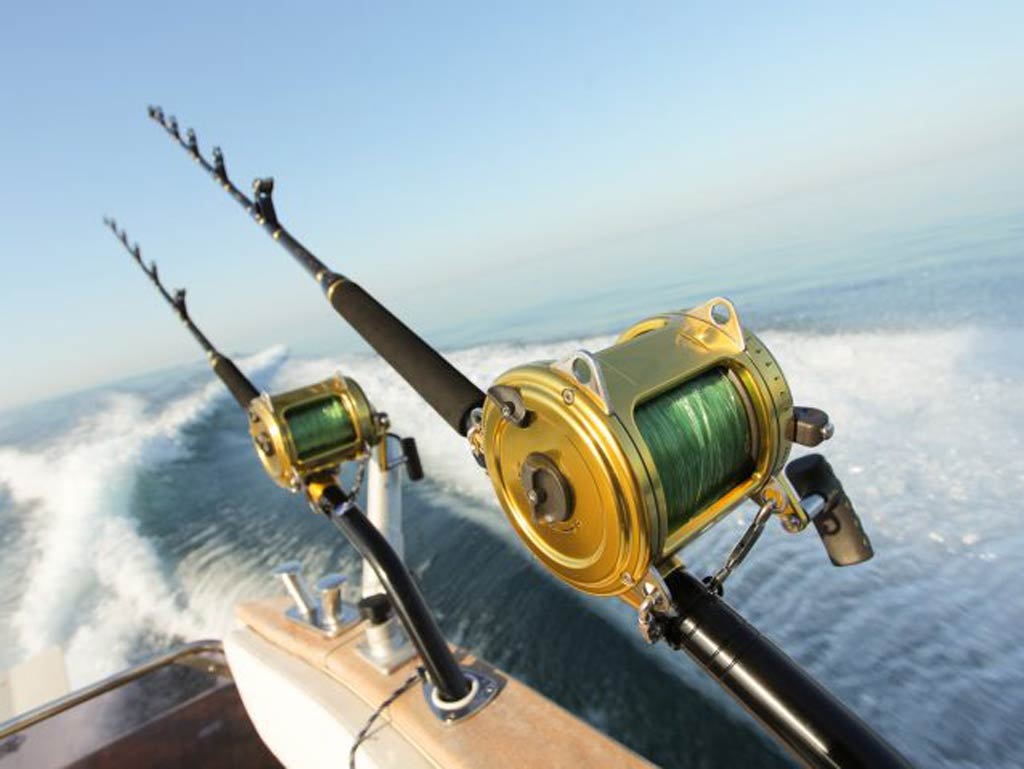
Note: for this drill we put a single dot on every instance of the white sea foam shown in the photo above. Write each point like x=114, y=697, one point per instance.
x=92, y=583
x=928, y=444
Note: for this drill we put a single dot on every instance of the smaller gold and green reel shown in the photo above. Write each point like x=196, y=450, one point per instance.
x=608, y=463
x=313, y=430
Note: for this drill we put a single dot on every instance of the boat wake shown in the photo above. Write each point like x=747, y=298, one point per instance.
x=922, y=640
x=84, y=577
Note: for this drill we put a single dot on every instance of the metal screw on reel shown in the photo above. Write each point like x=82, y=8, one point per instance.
x=647, y=620
x=655, y=608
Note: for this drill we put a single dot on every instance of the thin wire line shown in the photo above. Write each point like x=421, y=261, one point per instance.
x=409, y=682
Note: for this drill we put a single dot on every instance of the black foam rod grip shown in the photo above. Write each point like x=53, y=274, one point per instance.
x=241, y=388
x=837, y=524
x=441, y=385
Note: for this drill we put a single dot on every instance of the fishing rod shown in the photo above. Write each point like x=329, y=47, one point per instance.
x=302, y=438
x=608, y=463
x=238, y=385
x=439, y=383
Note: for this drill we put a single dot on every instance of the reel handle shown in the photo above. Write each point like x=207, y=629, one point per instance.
x=413, y=465
x=437, y=381
x=835, y=520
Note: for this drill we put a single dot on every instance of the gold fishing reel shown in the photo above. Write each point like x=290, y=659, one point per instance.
x=310, y=431
x=608, y=463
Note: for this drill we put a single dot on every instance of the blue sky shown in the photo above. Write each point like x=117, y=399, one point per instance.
x=424, y=149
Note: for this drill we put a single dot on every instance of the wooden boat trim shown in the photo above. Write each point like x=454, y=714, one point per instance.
x=519, y=728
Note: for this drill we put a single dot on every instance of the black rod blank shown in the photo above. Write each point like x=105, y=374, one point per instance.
x=814, y=726
x=405, y=595
x=440, y=384
x=239, y=386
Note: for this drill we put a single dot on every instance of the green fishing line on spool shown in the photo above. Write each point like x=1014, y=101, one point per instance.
x=699, y=437
x=319, y=426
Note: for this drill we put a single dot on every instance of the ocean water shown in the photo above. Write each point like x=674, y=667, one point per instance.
x=134, y=515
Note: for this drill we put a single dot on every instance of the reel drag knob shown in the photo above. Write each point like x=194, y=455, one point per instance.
x=547, y=490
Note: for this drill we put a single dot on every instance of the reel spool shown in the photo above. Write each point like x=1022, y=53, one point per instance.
x=606, y=464
x=313, y=430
